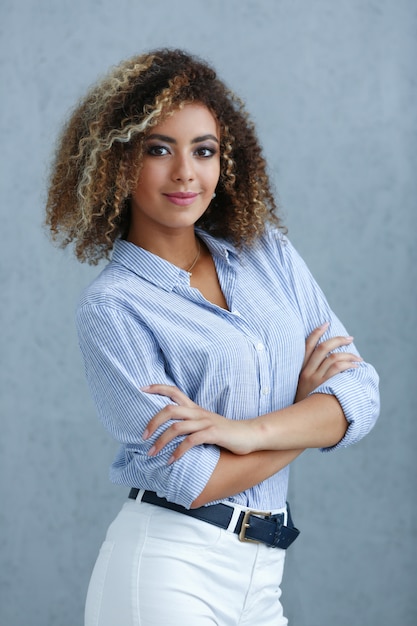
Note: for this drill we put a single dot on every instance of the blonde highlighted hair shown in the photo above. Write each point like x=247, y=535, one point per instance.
x=99, y=154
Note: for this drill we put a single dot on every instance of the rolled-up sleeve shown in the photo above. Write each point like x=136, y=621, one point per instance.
x=357, y=393
x=120, y=357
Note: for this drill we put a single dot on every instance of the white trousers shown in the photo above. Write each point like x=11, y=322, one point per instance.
x=158, y=567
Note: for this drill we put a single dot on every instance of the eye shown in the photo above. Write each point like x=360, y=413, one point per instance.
x=157, y=151
x=205, y=152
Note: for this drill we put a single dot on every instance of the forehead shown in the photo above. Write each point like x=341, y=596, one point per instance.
x=190, y=120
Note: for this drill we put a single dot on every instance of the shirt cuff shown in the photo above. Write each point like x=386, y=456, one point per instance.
x=360, y=405
x=185, y=486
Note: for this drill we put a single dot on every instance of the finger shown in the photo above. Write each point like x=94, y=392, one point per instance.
x=337, y=363
x=334, y=342
x=229, y=434
x=313, y=339
x=171, y=392
x=196, y=439
x=169, y=412
x=323, y=351
x=178, y=429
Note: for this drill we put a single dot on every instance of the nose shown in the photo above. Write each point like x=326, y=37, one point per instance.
x=183, y=168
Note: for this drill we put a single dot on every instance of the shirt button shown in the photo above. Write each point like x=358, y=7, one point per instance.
x=265, y=391
x=236, y=313
x=260, y=346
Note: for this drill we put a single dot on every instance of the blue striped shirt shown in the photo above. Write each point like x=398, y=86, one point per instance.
x=140, y=323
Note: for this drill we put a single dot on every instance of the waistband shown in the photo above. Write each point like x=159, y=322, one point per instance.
x=250, y=525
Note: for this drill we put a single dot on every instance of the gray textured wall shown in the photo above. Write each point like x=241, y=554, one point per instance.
x=332, y=88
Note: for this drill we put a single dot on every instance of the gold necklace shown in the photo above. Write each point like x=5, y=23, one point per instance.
x=189, y=272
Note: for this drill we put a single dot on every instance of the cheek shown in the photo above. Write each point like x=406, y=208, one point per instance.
x=215, y=175
x=148, y=180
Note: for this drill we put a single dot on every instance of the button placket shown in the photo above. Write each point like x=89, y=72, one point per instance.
x=264, y=375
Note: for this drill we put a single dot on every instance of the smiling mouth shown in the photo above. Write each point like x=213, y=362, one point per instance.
x=182, y=194
x=181, y=198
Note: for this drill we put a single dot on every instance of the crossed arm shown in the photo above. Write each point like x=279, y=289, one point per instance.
x=253, y=450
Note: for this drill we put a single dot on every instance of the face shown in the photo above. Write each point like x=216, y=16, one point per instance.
x=180, y=171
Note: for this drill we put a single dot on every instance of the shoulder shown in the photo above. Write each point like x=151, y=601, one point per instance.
x=107, y=316
x=121, y=278
x=272, y=247
x=274, y=255
x=277, y=245
x=112, y=299
x=274, y=239
x=108, y=289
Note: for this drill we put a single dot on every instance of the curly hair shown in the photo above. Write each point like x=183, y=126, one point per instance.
x=99, y=153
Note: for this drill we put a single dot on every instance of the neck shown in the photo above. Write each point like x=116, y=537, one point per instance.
x=178, y=247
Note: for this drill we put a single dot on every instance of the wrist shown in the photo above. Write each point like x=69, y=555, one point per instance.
x=262, y=435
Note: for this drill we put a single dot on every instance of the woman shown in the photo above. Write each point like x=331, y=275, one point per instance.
x=211, y=353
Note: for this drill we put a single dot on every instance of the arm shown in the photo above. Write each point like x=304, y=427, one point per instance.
x=242, y=468
x=256, y=450
x=356, y=389
x=314, y=422
x=121, y=355
x=234, y=473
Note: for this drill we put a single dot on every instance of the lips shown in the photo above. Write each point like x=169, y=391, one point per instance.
x=181, y=198
x=182, y=194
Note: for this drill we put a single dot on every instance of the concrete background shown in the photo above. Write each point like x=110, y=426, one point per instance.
x=332, y=88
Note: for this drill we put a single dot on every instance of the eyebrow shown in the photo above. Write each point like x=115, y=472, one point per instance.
x=173, y=141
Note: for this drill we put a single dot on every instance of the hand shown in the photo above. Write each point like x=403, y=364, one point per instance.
x=320, y=363
x=198, y=426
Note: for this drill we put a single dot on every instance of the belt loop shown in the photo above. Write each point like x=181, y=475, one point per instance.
x=139, y=495
x=234, y=519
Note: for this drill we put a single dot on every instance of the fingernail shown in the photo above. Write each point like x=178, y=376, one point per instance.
x=145, y=434
x=349, y=338
x=325, y=325
x=151, y=451
x=170, y=460
x=145, y=388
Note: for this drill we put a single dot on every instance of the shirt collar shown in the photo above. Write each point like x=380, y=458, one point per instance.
x=159, y=271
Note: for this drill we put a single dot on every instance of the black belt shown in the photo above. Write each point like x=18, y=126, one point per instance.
x=252, y=526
